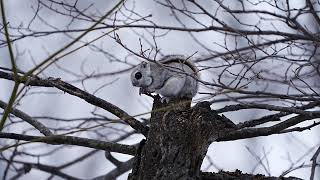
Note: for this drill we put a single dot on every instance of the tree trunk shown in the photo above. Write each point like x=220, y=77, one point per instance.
x=177, y=140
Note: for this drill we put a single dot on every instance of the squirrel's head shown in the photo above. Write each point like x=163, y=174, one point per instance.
x=141, y=75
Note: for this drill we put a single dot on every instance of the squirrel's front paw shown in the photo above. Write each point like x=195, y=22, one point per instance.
x=143, y=91
x=146, y=92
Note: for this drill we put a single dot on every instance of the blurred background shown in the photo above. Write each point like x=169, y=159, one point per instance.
x=224, y=40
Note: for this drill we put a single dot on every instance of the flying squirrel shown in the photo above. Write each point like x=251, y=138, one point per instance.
x=171, y=76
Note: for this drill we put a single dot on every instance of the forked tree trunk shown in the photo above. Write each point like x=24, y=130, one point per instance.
x=178, y=140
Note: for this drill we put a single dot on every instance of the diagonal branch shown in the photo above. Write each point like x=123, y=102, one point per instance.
x=27, y=166
x=51, y=170
x=264, y=131
x=124, y=167
x=112, y=159
x=314, y=163
x=267, y=118
x=313, y=11
x=49, y=60
x=72, y=90
x=38, y=125
x=14, y=69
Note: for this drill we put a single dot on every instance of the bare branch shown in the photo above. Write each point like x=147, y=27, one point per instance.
x=38, y=125
x=314, y=163
x=264, y=131
x=124, y=167
x=72, y=90
x=71, y=140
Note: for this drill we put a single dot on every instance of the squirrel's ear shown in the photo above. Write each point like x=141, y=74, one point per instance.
x=149, y=81
x=144, y=64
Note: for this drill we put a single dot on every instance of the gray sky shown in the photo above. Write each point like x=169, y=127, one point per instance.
x=229, y=156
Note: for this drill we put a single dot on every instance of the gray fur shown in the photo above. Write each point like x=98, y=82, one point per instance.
x=169, y=77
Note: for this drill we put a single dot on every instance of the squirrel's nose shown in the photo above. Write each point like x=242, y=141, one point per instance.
x=135, y=82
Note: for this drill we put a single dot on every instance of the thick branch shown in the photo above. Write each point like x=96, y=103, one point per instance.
x=71, y=140
x=264, y=131
x=72, y=90
x=239, y=175
x=272, y=117
x=294, y=110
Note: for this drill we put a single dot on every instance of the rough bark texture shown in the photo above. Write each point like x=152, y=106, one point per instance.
x=178, y=140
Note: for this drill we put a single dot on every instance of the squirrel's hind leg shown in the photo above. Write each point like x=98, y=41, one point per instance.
x=172, y=88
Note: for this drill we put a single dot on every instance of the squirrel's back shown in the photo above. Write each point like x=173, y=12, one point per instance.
x=167, y=60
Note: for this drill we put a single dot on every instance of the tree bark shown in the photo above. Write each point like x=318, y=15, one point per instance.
x=178, y=140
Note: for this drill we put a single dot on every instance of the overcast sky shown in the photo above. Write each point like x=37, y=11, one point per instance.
x=229, y=156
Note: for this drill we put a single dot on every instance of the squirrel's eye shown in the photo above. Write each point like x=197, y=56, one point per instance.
x=138, y=75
